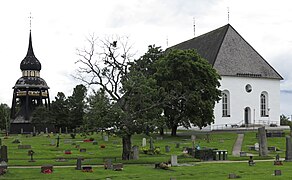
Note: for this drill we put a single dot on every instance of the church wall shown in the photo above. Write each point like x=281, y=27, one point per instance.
x=240, y=99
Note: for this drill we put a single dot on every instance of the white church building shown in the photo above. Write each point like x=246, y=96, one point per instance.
x=250, y=85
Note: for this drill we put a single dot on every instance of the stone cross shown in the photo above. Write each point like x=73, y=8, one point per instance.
x=263, y=151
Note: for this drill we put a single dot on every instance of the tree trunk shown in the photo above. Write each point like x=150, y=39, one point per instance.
x=127, y=144
x=173, y=130
x=161, y=131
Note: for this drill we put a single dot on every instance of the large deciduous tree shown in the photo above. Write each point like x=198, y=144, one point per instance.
x=133, y=95
x=190, y=87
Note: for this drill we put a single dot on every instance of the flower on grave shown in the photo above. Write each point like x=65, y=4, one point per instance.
x=102, y=146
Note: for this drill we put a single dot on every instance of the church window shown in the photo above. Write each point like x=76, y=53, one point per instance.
x=264, y=104
x=225, y=104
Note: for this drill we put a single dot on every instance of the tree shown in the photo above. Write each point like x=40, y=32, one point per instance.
x=98, y=110
x=131, y=93
x=77, y=106
x=41, y=115
x=60, y=111
x=190, y=88
x=4, y=116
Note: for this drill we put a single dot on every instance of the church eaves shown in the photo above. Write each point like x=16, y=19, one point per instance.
x=230, y=54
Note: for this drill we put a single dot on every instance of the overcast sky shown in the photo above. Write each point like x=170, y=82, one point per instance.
x=61, y=26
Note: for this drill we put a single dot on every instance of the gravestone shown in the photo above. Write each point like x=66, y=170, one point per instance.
x=4, y=154
x=21, y=131
x=66, y=130
x=173, y=160
x=167, y=149
x=105, y=138
x=193, y=138
x=82, y=150
x=94, y=142
x=60, y=131
x=108, y=164
x=144, y=142
x=118, y=167
x=52, y=143
x=288, y=149
x=278, y=172
x=135, y=152
x=263, y=150
x=34, y=130
x=47, y=131
x=24, y=146
x=151, y=144
x=177, y=145
x=256, y=147
x=78, y=164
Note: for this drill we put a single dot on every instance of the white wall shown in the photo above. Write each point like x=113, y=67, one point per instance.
x=240, y=99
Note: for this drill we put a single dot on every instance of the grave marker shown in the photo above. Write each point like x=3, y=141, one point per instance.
x=263, y=147
x=135, y=152
x=4, y=154
x=144, y=142
x=78, y=164
x=173, y=160
x=288, y=149
x=105, y=138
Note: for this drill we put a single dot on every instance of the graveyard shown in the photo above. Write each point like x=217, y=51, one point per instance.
x=98, y=156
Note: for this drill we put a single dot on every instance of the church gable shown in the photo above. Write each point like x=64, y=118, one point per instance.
x=230, y=54
x=236, y=57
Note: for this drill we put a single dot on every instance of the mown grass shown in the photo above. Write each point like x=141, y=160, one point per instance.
x=144, y=167
x=261, y=171
x=44, y=152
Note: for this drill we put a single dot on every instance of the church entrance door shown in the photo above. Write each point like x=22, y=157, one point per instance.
x=247, y=115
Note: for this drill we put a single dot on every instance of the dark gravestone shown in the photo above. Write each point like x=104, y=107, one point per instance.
x=177, y=145
x=263, y=149
x=78, y=164
x=82, y=150
x=94, y=143
x=87, y=169
x=118, y=167
x=3, y=168
x=288, y=149
x=4, y=154
x=278, y=172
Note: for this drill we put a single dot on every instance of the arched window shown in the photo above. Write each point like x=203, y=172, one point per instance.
x=264, y=104
x=225, y=104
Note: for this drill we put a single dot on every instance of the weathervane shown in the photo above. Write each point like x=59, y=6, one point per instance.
x=228, y=14
x=30, y=18
x=194, y=26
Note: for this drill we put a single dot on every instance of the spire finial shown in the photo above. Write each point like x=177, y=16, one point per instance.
x=194, y=26
x=30, y=18
x=228, y=14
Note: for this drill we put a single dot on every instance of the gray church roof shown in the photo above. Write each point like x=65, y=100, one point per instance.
x=230, y=54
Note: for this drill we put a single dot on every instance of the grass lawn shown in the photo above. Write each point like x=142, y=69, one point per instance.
x=144, y=167
x=262, y=170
